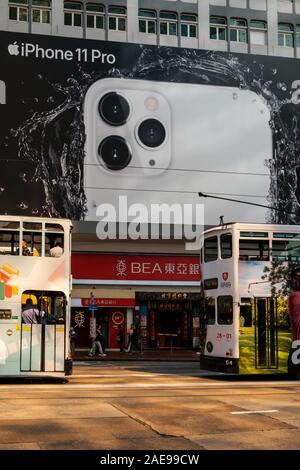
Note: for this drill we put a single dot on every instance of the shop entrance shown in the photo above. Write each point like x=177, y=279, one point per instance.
x=169, y=319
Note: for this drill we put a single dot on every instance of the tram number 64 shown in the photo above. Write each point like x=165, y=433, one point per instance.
x=228, y=362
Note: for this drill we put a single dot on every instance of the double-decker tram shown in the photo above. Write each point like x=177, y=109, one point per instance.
x=35, y=286
x=246, y=329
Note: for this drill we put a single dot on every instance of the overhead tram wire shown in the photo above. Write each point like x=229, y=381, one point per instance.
x=155, y=168
x=248, y=203
x=171, y=191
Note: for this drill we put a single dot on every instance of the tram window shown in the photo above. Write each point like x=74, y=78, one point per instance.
x=9, y=242
x=225, y=310
x=8, y=225
x=210, y=307
x=36, y=226
x=54, y=245
x=254, y=250
x=286, y=250
x=54, y=228
x=210, y=249
x=226, y=245
x=246, y=314
x=32, y=242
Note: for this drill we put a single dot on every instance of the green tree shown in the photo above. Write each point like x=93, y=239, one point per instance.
x=279, y=274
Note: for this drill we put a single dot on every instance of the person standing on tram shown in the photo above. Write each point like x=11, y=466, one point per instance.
x=30, y=314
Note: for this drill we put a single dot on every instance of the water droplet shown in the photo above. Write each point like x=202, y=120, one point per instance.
x=40, y=76
x=23, y=177
x=235, y=96
x=281, y=86
x=274, y=71
x=1, y=190
x=23, y=206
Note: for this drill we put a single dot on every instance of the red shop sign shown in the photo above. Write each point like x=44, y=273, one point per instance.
x=135, y=267
x=109, y=302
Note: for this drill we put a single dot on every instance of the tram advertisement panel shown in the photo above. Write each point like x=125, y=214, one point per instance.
x=85, y=122
x=264, y=325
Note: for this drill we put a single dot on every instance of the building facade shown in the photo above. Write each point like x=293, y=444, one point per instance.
x=152, y=283
x=268, y=27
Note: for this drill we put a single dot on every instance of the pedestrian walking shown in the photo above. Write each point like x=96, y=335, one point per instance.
x=135, y=339
x=98, y=343
x=73, y=340
x=120, y=337
x=130, y=333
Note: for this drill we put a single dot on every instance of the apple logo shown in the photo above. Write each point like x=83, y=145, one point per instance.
x=13, y=49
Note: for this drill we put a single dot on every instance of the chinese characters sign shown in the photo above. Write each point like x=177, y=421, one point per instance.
x=135, y=267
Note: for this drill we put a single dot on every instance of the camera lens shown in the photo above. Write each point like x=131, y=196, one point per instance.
x=115, y=152
x=114, y=109
x=151, y=133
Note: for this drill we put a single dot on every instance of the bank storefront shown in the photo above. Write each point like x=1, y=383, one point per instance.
x=158, y=293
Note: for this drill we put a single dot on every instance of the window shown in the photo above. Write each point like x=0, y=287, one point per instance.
x=286, y=250
x=258, y=32
x=188, y=26
x=238, y=30
x=225, y=310
x=168, y=23
x=254, y=250
x=210, y=249
x=218, y=28
x=18, y=10
x=54, y=240
x=117, y=18
x=285, y=35
x=226, y=245
x=210, y=283
x=245, y=313
x=147, y=21
x=95, y=16
x=298, y=35
x=210, y=310
x=254, y=234
x=41, y=11
x=73, y=14
x=9, y=244
x=32, y=239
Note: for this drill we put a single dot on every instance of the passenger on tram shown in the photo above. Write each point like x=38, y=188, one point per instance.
x=30, y=314
x=57, y=250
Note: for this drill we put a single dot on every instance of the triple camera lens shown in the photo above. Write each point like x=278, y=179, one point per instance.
x=114, y=150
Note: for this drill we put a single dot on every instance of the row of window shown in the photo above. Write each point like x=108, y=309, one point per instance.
x=167, y=22
x=224, y=310
x=33, y=239
x=259, y=250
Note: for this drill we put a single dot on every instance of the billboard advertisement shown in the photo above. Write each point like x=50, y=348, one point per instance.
x=88, y=124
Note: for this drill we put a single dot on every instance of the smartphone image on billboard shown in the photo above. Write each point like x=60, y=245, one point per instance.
x=162, y=142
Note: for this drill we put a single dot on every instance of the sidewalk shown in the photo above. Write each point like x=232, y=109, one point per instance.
x=146, y=355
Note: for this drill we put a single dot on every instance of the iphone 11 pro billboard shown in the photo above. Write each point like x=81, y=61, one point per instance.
x=85, y=122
